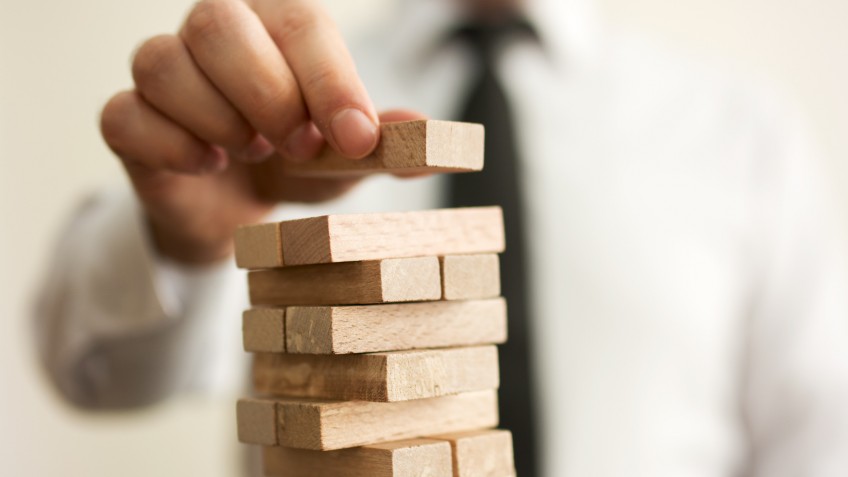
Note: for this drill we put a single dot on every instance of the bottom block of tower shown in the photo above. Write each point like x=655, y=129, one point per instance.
x=485, y=453
x=330, y=425
x=410, y=458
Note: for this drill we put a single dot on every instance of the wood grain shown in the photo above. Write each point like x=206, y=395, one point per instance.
x=380, y=377
x=486, y=453
x=406, y=147
x=408, y=458
x=349, y=283
x=263, y=330
x=331, y=425
x=357, y=237
x=374, y=328
x=470, y=276
x=259, y=246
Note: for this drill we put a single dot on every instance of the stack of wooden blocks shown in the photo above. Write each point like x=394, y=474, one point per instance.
x=374, y=336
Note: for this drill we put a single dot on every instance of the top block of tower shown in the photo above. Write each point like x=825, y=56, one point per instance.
x=357, y=237
x=407, y=147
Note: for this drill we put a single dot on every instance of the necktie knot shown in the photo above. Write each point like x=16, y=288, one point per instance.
x=484, y=38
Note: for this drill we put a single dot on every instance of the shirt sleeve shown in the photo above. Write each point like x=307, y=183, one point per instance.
x=117, y=327
x=797, y=376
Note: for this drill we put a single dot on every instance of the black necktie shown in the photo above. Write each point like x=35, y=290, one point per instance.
x=498, y=184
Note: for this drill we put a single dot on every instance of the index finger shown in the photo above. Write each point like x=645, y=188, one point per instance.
x=316, y=53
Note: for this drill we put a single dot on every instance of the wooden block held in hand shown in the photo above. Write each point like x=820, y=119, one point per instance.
x=408, y=147
x=374, y=328
x=380, y=377
x=486, y=453
x=470, y=276
x=357, y=237
x=259, y=246
x=263, y=330
x=409, y=458
x=349, y=283
x=330, y=425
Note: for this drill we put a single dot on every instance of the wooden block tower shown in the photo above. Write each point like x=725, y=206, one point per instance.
x=374, y=334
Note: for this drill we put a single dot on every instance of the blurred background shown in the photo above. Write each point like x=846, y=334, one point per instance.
x=60, y=61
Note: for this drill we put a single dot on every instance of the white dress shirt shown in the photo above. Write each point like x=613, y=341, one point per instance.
x=689, y=287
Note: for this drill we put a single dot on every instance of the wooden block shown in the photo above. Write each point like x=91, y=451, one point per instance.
x=259, y=246
x=380, y=377
x=349, y=283
x=470, y=276
x=406, y=147
x=486, y=453
x=263, y=330
x=374, y=328
x=257, y=421
x=357, y=237
x=330, y=425
x=409, y=458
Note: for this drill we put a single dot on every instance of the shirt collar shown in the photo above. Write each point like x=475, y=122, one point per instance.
x=567, y=29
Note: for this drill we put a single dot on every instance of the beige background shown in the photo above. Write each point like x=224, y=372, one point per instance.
x=60, y=60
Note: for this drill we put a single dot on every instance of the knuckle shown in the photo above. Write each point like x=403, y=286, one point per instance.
x=114, y=120
x=325, y=77
x=208, y=19
x=155, y=58
x=272, y=110
x=296, y=20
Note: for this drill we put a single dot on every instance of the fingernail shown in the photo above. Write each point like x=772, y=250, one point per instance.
x=258, y=150
x=215, y=160
x=304, y=143
x=353, y=132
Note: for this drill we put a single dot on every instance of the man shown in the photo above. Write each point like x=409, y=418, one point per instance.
x=687, y=310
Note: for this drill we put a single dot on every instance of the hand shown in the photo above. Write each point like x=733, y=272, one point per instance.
x=241, y=81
